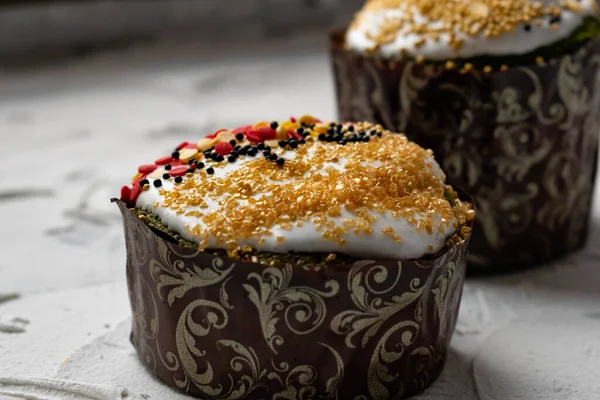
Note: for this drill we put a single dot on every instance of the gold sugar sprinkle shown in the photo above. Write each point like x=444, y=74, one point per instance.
x=387, y=173
x=450, y=65
x=456, y=18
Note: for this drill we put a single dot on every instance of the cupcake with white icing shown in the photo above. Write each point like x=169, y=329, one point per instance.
x=506, y=95
x=462, y=31
x=261, y=254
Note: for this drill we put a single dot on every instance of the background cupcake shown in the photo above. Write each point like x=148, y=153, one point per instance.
x=505, y=93
x=295, y=257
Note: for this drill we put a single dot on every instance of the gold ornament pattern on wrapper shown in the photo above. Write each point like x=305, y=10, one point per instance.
x=523, y=142
x=222, y=329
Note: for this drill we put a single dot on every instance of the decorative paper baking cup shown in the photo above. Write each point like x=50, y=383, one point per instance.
x=523, y=142
x=218, y=328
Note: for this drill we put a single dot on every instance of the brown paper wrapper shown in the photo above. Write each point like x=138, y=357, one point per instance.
x=523, y=142
x=218, y=328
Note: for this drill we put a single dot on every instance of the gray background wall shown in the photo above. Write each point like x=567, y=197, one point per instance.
x=30, y=30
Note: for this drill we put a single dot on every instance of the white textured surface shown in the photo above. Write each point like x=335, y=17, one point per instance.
x=70, y=137
x=518, y=41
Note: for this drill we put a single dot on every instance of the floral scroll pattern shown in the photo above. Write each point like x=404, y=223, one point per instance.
x=275, y=295
x=523, y=142
x=222, y=329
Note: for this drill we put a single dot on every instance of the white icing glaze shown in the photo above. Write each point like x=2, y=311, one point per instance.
x=306, y=238
x=516, y=42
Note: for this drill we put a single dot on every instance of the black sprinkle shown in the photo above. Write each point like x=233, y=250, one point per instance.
x=239, y=136
x=282, y=143
x=199, y=164
x=175, y=155
x=189, y=171
x=178, y=179
x=166, y=176
x=332, y=124
x=301, y=141
x=267, y=149
x=280, y=161
x=168, y=167
x=273, y=157
x=379, y=134
x=373, y=132
x=252, y=152
x=300, y=130
x=232, y=142
x=234, y=153
x=260, y=146
x=293, y=144
x=343, y=142
x=242, y=151
x=330, y=131
x=351, y=128
x=237, y=147
x=527, y=27
x=231, y=158
x=144, y=182
x=190, y=162
x=274, y=125
x=555, y=19
x=266, y=154
x=157, y=183
x=219, y=158
x=210, y=170
x=322, y=137
x=247, y=147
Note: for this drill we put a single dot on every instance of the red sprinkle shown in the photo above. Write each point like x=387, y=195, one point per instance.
x=243, y=129
x=267, y=133
x=163, y=161
x=182, y=145
x=125, y=194
x=179, y=171
x=135, y=193
x=292, y=119
x=254, y=136
x=146, y=169
x=294, y=134
x=223, y=148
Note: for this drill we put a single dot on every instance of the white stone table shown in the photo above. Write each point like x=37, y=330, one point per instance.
x=71, y=135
